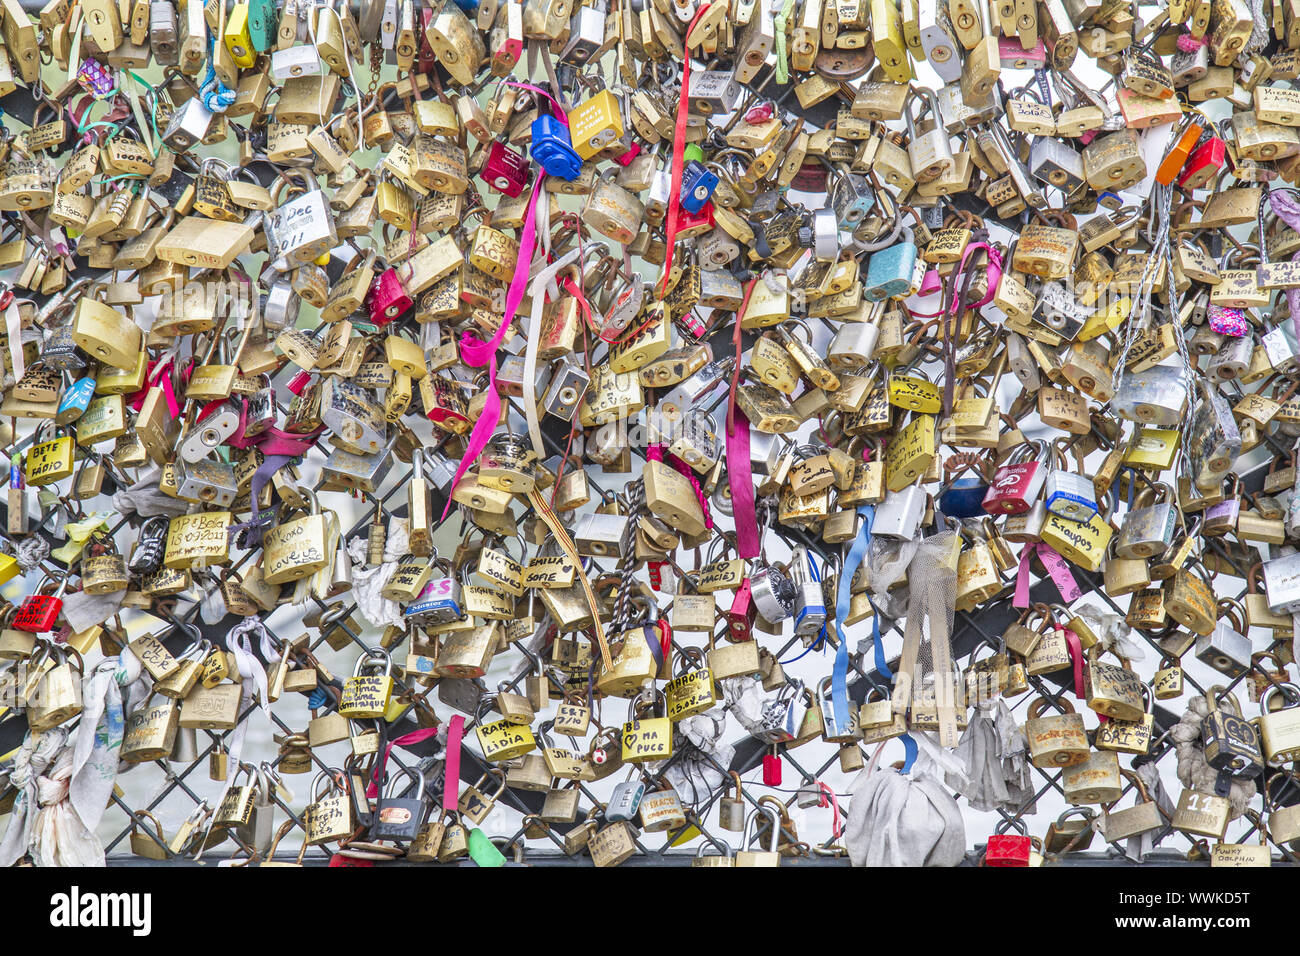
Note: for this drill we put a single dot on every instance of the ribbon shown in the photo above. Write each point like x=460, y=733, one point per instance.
x=778, y=24
x=156, y=376
x=14, y=329
x=829, y=799
x=451, y=771
x=558, y=110
x=679, y=146
x=476, y=353
x=741, y=480
x=840, y=670
x=253, y=681
x=562, y=538
x=539, y=282
x=381, y=766
x=740, y=477
x=1056, y=568
x=1076, y=658
x=993, y=270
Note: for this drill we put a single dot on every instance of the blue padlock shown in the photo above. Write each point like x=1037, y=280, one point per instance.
x=76, y=400
x=891, y=273
x=553, y=148
x=697, y=187
x=964, y=498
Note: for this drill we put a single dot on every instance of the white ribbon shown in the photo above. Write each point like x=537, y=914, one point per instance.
x=530, y=354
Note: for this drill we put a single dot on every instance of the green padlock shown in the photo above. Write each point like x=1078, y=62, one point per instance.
x=483, y=851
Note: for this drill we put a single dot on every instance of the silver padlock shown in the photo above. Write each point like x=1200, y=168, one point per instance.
x=1232, y=359
x=851, y=198
x=1156, y=396
x=1052, y=162
x=208, y=481
x=189, y=124
x=937, y=41
x=855, y=342
x=599, y=535
x=1282, y=583
x=207, y=436
x=624, y=801
x=1278, y=349
x=565, y=384
x=809, y=601
x=1059, y=311
x=899, y=515
x=356, y=421
x=773, y=593
x=162, y=32
x=1225, y=649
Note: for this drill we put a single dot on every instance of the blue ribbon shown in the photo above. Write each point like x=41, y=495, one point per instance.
x=909, y=752
x=840, y=672
x=216, y=96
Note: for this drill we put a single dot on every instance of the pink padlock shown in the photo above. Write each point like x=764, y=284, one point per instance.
x=1015, y=57
x=633, y=152
x=506, y=170
x=1016, y=485
x=742, y=615
x=388, y=299
x=299, y=382
x=930, y=284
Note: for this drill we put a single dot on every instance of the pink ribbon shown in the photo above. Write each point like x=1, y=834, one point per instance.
x=558, y=110
x=476, y=353
x=657, y=453
x=994, y=270
x=1076, y=658
x=451, y=766
x=828, y=795
x=1056, y=568
x=414, y=737
x=741, y=480
x=157, y=376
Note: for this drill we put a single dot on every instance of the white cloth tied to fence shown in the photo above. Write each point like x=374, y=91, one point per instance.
x=899, y=819
x=43, y=821
x=367, y=582
x=993, y=752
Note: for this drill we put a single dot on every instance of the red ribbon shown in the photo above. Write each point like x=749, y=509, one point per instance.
x=679, y=145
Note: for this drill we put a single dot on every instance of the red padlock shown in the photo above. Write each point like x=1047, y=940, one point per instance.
x=771, y=770
x=1008, y=849
x=632, y=153
x=1204, y=164
x=387, y=299
x=742, y=615
x=506, y=170
x=428, y=60
x=1184, y=140
x=1015, y=485
x=299, y=382
x=702, y=220
x=38, y=612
